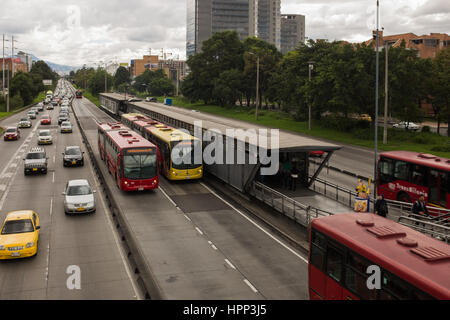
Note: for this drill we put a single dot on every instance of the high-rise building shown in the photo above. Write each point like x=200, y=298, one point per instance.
x=269, y=21
x=206, y=17
x=292, y=31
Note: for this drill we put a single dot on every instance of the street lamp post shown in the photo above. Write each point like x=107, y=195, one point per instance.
x=376, y=103
x=257, y=83
x=386, y=93
x=310, y=68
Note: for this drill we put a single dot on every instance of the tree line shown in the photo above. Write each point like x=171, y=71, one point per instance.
x=342, y=79
x=154, y=83
x=26, y=86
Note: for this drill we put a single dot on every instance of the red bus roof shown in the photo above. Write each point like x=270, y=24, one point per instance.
x=423, y=159
x=112, y=126
x=126, y=139
x=381, y=247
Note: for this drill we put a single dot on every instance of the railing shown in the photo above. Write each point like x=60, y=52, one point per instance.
x=424, y=225
x=347, y=197
x=300, y=213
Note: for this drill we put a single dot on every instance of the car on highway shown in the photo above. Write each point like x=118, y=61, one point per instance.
x=31, y=114
x=46, y=120
x=35, y=109
x=407, y=125
x=66, y=127
x=20, y=235
x=11, y=133
x=151, y=99
x=63, y=117
x=24, y=123
x=364, y=117
x=35, y=161
x=54, y=102
x=40, y=107
x=45, y=137
x=50, y=107
x=65, y=108
x=73, y=156
x=134, y=100
x=79, y=197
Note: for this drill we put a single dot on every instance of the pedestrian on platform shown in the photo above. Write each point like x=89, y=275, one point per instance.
x=381, y=207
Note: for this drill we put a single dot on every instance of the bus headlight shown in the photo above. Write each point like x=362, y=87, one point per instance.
x=2, y=247
x=30, y=244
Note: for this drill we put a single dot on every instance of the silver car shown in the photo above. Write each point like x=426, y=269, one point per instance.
x=66, y=126
x=24, y=123
x=31, y=114
x=79, y=197
x=45, y=137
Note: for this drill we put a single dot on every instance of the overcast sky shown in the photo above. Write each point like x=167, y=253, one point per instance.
x=87, y=31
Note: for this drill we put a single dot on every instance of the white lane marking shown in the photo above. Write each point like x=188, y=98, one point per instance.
x=53, y=179
x=2, y=187
x=51, y=206
x=250, y=285
x=6, y=175
x=230, y=264
x=189, y=219
x=199, y=231
x=255, y=224
x=214, y=247
x=54, y=159
x=116, y=240
x=13, y=165
x=167, y=196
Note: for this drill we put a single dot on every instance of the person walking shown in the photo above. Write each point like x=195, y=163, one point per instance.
x=419, y=207
x=381, y=207
x=287, y=167
x=294, y=177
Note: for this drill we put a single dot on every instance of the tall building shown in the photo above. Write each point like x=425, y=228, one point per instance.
x=148, y=62
x=206, y=17
x=26, y=58
x=292, y=31
x=269, y=21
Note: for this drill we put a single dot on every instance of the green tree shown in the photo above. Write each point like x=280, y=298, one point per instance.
x=227, y=87
x=96, y=82
x=22, y=85
x=122, y=75
x=439, y=87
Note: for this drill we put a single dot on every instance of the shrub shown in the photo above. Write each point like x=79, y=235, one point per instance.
x=420, y=139
x=426, y=129
x=344, y=124
x=441, y=148
x=16, y=102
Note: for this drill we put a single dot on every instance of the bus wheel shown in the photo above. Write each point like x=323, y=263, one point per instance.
x=403, y=197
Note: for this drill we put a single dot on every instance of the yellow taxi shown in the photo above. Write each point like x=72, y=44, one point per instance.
x=19, y=235
x=365, y=117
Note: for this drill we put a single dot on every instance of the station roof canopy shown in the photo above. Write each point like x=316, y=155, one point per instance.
x=288, y=141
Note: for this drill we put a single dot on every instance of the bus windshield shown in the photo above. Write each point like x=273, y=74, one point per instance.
x=183, y=154
x=139, y=164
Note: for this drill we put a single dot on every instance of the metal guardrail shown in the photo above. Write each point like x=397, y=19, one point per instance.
x=347, y=197
x=424, y=225
x=300, y=213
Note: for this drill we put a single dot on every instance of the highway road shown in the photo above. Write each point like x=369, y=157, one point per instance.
x=198, y=245
x=86, y=241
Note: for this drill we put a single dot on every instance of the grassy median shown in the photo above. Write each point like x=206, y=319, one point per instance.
x=397, y=139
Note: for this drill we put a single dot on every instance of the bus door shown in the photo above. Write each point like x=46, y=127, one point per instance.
x=438, y=188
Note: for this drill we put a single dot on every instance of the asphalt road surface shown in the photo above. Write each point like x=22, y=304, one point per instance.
x=86, y=241
x=197, y=245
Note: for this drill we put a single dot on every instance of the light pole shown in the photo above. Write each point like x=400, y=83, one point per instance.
x=3, y=66
x=257, y=84
x=386, y=92
x=310, y=68
x=376, y=103
x=7, y=98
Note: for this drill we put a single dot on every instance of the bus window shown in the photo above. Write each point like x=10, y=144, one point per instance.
x=418, y=174
x=386, y=170
x=401, y=171
x=445, y=188
x=356, y=276
x=334, y=264
x=318, y=245
x=393, y=286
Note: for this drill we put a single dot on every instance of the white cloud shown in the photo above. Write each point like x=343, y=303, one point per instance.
x=123, y=30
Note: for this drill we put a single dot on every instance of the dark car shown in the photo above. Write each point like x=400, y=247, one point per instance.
x=73, y=156
x=151, y=99
x=11, y=133
x=62, y=117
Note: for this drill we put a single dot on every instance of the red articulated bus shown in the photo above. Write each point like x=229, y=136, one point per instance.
x=345, y=249
x=404, y=176
x=131, y=160
x=102, y=129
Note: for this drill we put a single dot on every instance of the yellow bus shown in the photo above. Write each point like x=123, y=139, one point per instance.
x=174, y=145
